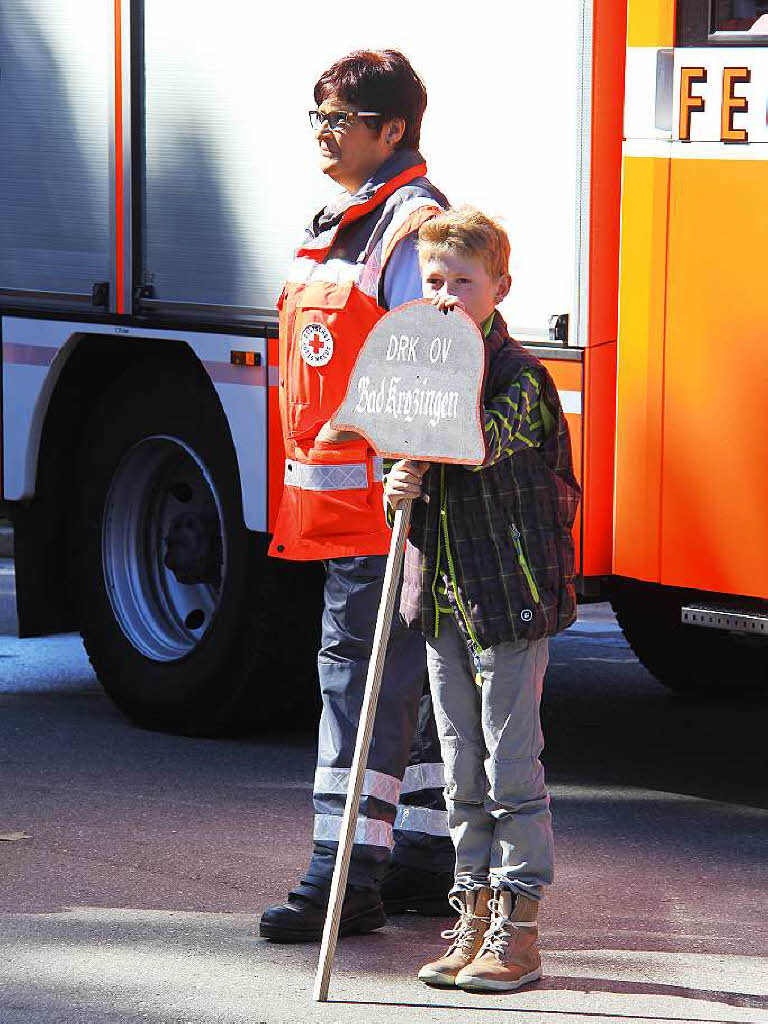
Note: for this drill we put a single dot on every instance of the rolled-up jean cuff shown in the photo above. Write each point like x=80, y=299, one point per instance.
x=466, y=883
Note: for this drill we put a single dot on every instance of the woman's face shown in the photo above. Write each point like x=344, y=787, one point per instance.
x=351, y=153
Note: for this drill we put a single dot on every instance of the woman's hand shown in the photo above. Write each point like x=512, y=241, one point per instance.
x=404, y=481
x=329, y=435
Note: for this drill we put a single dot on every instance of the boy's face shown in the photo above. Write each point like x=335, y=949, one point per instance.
x=467, y=278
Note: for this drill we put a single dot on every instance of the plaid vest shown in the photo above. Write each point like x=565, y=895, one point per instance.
x=509, y=528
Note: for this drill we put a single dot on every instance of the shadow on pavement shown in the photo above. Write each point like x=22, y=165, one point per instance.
x=167, y=958
x=576, y=1015
x=551, y=983
x=608, y=722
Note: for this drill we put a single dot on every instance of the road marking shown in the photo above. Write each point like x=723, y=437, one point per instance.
x=617, y=661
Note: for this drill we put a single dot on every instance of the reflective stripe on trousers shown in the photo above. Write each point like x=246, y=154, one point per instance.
x=423, y=776
x=374, y=832
x=386, y=789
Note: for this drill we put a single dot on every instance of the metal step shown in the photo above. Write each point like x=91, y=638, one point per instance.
x=724, y=618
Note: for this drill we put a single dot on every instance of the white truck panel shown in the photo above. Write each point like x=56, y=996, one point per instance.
x=232, y=175
x=644, y=94
x=54, y=126
x=35, y=352
x=22, y=387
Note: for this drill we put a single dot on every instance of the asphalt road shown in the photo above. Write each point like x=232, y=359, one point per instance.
x=149, y=857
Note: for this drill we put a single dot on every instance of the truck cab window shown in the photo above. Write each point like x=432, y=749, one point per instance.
x=740, y=16
x=721, y=22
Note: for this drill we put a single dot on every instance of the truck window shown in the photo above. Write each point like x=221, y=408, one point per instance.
x=722, y=22
x=739, y=16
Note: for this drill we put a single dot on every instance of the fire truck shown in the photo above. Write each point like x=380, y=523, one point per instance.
x=157, y=167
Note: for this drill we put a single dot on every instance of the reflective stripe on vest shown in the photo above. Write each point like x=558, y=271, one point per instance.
x=348, y=476
x=335, y=271
x=408, y=217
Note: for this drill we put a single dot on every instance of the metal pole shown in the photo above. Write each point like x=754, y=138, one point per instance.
x=362, y=744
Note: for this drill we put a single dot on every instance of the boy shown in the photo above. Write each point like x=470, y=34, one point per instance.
x=488, y=577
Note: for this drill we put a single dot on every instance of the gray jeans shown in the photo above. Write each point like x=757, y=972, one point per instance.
x=498, y=807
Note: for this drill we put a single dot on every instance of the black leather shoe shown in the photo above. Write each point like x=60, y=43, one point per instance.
x=299, y=919
x=413, y=889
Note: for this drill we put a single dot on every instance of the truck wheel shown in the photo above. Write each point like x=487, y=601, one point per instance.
x=685, y=658
x=182, y=613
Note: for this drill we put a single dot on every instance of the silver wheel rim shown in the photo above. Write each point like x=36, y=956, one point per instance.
x=162, y=506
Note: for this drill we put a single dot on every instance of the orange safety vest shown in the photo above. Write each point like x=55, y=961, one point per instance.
x=332, y=502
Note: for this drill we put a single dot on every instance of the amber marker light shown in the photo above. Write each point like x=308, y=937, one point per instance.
x=245, y=358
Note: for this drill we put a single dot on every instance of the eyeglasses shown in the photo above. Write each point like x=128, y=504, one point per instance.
x=339, y=120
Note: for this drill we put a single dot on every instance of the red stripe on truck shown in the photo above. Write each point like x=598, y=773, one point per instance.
x=119, y=158
x=28, y=355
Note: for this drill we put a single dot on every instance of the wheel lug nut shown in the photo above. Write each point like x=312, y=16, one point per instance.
x=195, y=619
x=181, y=491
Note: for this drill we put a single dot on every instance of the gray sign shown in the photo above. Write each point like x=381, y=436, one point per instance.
x=416, y=389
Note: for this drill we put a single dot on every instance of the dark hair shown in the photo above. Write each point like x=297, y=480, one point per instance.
x=381, y=80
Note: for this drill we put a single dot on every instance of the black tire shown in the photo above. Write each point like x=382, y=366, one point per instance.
x=183, y=615
x=687, y=659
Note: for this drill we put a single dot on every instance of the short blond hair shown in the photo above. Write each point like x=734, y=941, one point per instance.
x=468, y=231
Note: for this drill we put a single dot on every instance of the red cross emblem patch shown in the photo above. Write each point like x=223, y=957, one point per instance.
x=316, y=344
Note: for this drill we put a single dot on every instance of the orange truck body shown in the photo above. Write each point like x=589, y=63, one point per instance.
x=691, y=477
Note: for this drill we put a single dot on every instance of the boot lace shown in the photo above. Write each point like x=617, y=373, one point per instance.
x=463, y=933
x=500, y=932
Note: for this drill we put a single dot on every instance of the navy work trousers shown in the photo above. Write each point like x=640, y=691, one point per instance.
x=402, y=805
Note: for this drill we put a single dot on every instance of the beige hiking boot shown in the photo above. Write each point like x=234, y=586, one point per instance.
x=509, y=956
x=466, y=935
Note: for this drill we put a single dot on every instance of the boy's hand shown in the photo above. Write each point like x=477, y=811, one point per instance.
x=446, y=302
x=404, y=481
